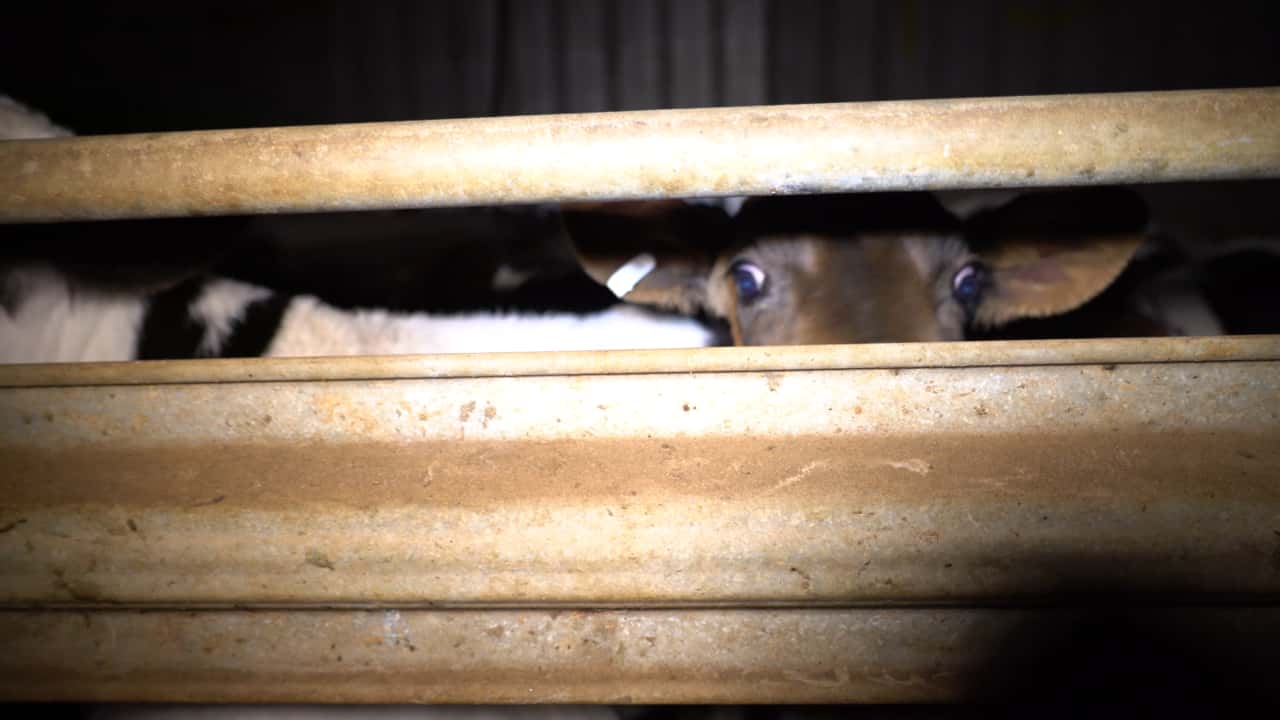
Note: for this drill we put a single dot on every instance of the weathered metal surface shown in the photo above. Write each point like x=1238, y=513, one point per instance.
x=927, y=144
x=667, y=488
x=541, y=656
x=1108, y=351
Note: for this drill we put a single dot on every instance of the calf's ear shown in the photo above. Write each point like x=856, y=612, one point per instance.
x=1036, y=277
x=1051, y=252
x=657, y=253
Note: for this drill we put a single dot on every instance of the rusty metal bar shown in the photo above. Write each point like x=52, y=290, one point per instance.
x=939, y=485
x=926, y=144
x=1102, y=351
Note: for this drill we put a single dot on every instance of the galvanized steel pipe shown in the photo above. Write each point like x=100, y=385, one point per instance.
x=926, y=144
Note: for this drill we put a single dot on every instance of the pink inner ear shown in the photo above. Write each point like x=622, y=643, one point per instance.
x=1041, y=272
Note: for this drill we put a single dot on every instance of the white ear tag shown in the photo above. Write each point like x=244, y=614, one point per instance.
x=624, y=279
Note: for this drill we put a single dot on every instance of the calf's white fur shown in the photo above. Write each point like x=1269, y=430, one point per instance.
x=52, y=321
x=49, y=319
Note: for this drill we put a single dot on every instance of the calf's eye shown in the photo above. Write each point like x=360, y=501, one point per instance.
x=968, y=283
x=748, y=279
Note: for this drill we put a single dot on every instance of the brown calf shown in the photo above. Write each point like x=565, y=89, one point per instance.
x=883, y=267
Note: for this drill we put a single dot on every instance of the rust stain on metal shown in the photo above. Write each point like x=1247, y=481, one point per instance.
x=465, y=410
x=319, y=559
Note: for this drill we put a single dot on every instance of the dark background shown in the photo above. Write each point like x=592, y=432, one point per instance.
x=104, y=67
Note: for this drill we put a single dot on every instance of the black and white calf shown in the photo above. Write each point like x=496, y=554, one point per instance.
x=73, y=309
x=46, y=318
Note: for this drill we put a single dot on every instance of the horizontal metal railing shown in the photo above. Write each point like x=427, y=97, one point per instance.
x=924, y=144
x=246, y=513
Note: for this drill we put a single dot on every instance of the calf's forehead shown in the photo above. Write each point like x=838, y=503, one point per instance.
x=875, y=288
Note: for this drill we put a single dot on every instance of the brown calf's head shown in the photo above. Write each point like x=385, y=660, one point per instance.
x=856, y=268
